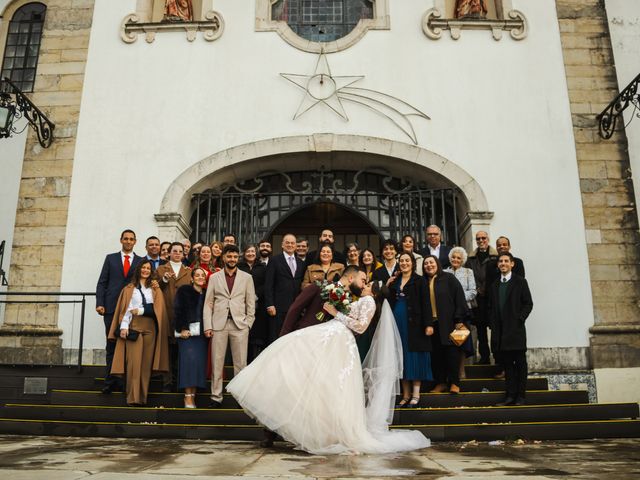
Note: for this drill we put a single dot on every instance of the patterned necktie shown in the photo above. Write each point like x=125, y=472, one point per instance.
x=127, y=265
x=292, y=266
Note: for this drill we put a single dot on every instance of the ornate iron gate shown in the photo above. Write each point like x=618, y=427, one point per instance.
x=253, y=208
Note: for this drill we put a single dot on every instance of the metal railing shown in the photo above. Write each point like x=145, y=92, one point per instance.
x=3, y=275
x=82, y=302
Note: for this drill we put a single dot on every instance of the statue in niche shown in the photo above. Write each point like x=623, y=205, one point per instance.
x=178, y=11
x=471, y=8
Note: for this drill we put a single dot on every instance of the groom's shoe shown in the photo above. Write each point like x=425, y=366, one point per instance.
x=267, y=441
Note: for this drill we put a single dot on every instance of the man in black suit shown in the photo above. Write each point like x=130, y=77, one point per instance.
x=326, y=236
x=117, y=271
x=282, y=284
x=511, y=304
x=264, y=251
x=481, y=261
x=436, y=247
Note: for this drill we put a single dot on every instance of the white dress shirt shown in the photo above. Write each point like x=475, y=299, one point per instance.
x=507, y=277
x=136, y=302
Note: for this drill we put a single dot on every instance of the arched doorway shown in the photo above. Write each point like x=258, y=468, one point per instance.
x=347, y=226
x=369, y=201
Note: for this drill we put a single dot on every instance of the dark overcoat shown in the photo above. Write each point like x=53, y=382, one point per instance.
x=188, y=306
x=415, y=292
x=508, y=330
x=450, y=304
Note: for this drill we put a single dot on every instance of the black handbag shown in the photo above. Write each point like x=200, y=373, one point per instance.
x=132, y=336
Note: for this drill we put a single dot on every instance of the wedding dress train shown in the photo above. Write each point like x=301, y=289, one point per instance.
x=310, y=388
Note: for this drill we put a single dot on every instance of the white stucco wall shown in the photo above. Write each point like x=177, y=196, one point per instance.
x=11, y=157
x=499, y=110
x=624, y=26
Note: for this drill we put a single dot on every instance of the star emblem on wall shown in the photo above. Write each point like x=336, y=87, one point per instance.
x=321, y=87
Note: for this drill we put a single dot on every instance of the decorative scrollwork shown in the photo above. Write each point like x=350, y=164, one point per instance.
x=608, y=118
x=22, y=106
x=433, y=24
x=319, y=183
x=212, y=27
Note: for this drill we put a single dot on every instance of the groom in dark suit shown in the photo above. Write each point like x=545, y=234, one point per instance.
x=117, y=271
x=308, y=304
x=282, y=284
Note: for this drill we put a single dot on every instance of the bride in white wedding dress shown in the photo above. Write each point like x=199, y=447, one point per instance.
x=309, y=386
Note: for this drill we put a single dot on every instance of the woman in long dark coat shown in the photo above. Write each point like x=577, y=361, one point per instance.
x=407, y=299
x=192, y=347
x=447, y=307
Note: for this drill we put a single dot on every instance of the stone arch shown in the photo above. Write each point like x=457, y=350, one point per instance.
x=309, y=152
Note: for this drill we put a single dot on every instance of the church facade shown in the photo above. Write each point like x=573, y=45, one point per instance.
x=377, y=117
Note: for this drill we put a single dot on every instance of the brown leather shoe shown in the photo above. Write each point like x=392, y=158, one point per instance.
x=454, y=388
x=499, y=376
x=439, y=388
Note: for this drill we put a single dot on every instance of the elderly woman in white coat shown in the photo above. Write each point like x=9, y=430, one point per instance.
x=457, y=258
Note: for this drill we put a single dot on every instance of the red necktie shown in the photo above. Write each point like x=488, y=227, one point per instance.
x=127, y=265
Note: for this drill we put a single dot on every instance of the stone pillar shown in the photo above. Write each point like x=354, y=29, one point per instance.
x=30, y=333
x=172, y=226
x=472, y=223
x=611, y=222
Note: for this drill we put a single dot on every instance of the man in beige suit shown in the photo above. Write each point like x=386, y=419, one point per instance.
x=229, y=312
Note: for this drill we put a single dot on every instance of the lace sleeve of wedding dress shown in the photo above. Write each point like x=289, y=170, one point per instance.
x=360, y=314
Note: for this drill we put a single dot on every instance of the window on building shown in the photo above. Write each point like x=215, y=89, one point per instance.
x=322, y=20
x=23, y=45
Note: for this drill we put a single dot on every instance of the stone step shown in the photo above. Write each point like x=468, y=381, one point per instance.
x=236, y=416
x=489, y=431
x=468, y=399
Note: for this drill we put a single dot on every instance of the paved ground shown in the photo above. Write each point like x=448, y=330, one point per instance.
x=58, y=458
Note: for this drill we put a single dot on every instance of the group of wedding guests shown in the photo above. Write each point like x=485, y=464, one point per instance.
x=175, y=311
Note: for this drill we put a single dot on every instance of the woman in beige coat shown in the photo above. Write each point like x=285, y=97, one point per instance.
x=140, y=313
x=325, y=269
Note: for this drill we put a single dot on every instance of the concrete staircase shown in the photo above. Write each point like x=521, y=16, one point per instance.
x=74, y=406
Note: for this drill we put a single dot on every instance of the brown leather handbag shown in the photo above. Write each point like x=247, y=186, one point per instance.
x=459, y=335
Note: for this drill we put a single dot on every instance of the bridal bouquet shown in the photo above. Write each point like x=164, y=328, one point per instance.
x=336, y=295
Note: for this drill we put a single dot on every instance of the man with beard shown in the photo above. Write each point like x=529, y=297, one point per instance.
x=264, y=250
x=326, y=236
x=302, y=312
x=229, y=311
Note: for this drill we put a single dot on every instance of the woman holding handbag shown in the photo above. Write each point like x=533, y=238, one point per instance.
x=192, y=345
x=446, y=306
x=140, y=328
x=457, y=258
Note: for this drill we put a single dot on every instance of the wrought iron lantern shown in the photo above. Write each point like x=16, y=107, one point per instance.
x=14, y=104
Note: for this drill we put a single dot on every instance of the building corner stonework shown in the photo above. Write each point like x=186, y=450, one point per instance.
x=30, y=332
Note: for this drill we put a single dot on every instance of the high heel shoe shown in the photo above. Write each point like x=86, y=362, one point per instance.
x=403, y=403
x=188, y=404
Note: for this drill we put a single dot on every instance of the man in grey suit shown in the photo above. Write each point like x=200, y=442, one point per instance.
x=229, y=312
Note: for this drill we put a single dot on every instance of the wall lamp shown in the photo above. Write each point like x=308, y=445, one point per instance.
x=14, y=104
